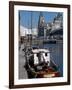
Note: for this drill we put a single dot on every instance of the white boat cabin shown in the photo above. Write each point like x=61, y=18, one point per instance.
x=41, y=55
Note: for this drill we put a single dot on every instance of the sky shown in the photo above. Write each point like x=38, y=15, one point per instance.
x=25, y=18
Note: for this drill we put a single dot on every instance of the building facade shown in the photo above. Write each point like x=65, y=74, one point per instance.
x=45, y=29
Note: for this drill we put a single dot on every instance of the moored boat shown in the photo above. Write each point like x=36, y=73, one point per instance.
x=39, y=65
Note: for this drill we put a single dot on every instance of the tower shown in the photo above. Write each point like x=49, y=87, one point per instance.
x=41, y=25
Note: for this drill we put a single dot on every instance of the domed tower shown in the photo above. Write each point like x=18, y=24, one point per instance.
x=41, y=25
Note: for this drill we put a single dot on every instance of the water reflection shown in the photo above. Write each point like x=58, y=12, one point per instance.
x=56, y=54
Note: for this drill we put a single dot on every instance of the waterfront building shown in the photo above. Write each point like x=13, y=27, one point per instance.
x=53, y=29
x=48, y=29
x=57, y=22
x=41, y=25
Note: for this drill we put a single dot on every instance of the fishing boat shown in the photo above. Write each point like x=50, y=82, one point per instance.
x=39, y=65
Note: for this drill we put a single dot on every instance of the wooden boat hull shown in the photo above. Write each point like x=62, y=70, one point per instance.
x=48, y=73
x=43, y=67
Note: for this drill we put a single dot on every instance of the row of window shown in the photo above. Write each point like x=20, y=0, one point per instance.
x=38, y=54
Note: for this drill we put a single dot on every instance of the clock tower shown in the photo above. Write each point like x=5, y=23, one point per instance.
x=41, y=25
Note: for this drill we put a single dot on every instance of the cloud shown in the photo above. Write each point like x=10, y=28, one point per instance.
x=34, y=31
x=24, y=31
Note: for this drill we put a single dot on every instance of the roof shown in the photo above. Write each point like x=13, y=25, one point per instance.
x=40, y=50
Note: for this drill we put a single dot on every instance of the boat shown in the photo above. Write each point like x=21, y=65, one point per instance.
x=39, y=65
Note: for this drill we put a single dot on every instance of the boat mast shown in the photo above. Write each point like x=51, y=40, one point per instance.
x=31, y=29
x=19, y=37
x=19, y=25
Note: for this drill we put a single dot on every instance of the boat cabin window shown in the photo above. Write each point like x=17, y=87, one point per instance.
x=45, y=54
x=37, y=54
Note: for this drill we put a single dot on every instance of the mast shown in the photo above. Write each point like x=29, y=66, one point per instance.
x=31, y=29
x=19, y=37
x=31, y=21
x=19, y=26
